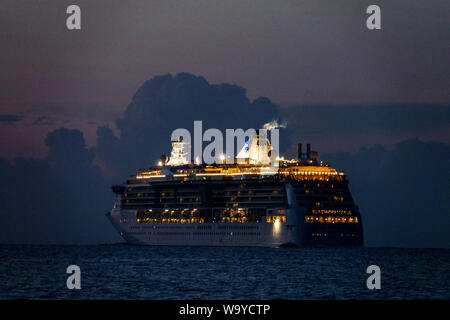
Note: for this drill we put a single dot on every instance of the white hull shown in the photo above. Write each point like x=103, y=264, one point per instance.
x=203, y=234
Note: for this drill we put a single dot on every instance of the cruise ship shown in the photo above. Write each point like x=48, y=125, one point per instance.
x=299, y=202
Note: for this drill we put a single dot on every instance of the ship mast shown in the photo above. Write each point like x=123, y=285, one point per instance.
x=179, y=155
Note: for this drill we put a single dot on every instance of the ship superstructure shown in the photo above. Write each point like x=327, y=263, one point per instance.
x=298, y=202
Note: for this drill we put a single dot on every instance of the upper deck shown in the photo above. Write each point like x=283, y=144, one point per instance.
x=286, y=169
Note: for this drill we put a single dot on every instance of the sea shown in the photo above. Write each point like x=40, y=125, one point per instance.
x=121, y=271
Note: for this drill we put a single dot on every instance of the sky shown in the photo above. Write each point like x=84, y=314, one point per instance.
x=293, y=52
x=81, y=109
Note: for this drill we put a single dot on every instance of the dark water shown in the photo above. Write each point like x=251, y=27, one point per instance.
x=133, y=272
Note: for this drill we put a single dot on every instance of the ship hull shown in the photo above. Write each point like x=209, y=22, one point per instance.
x=205, y=234
x=262, y=212
x=224, y=234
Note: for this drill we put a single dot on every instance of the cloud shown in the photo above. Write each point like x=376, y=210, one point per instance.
x=168, y=102
x=9, y=118
x=348, y=128
x=59, y=199
x=393, y=118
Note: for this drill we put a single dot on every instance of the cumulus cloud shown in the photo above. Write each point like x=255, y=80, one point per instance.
x=168, y=102
x=59, y=199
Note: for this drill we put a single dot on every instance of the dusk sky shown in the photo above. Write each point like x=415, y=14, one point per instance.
x=296, y=53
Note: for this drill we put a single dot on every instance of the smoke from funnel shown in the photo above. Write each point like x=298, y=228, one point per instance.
x=273, y=125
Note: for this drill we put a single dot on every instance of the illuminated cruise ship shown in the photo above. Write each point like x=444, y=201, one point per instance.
x=300, y=202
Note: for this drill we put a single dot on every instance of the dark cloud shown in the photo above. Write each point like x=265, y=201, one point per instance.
x=168, y=102
x=347, y=128
x=9, y=119
x=403, y=193
x=59, y=199
x=393, y=118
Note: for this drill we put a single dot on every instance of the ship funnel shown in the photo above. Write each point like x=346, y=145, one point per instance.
x=257, y=150
x=299, y=151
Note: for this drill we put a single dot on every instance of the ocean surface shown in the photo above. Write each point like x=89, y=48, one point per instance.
x=122, y=271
